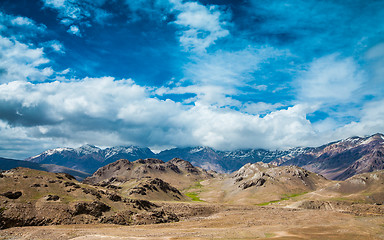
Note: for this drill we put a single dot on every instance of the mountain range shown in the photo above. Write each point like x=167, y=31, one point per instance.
x=336, y=160
x=7, y=164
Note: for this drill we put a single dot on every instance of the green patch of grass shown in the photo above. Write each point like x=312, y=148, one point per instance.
x=196, y=185
x=194, y=196
x=2, y=209
x=269, y=235
x=193, y=191
x=295, y=195
x=349, y=200
x=286, y=197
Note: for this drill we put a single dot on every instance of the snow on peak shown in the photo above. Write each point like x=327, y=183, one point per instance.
x=199, y=149
x=52, y=151
x=120, y=149
x=88, y=149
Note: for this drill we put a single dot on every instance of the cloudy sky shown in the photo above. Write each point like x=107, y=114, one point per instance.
x=227, y=74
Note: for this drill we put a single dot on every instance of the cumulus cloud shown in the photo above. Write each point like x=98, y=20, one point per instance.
x=201, y=25
x=74, y=30
x=55, y=45
x=19, y=27
x=260, y=107
x=20, y=62
x=369, y=123
x=78, y=111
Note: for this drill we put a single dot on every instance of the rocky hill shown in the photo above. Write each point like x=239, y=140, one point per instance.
x=343, y=159
x=150, y=189
x=262, y=182
x=179, y=173
x=7, y=164
x=32, y=198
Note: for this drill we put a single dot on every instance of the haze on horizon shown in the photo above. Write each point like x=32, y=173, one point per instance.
x=171, y=73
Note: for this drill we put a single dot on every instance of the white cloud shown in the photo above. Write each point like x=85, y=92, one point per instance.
x=369, y=123
x=76, y=14
x=260, y=107
x=201, y=25
x=74, y=30
x=331, y=79
x=13, y=25
x=22, y=21
x=78, y=111
x=106, y=112
x=20, y=62
x=55, y=46
x=218, y=76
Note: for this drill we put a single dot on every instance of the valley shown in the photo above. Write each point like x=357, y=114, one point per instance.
x=149, y=198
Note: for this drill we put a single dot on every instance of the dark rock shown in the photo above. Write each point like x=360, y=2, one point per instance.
x=257, y=183
x=92, y=192
x=94, y=208
x=12, y=195
x=53, y=198
x=71, y=184
x=114, y=197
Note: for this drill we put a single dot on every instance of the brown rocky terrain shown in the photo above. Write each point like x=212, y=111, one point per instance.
x=150, y=189
x=258, y=201
x=261, y=182
x=31, y=197
x=177, y=172
x=229, y=222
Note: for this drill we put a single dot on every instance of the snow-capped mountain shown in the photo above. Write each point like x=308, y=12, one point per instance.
x=342, y=159
x=89, y=158
x=336, y=160
x=224, y=161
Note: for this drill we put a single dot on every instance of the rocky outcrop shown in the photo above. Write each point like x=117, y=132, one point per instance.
x=289, y=177
x=176, y=170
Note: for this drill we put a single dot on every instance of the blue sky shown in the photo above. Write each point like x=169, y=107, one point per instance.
x=172, y=73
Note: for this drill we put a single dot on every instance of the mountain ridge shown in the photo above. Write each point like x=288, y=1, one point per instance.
x=7, y=164
x=90, y=158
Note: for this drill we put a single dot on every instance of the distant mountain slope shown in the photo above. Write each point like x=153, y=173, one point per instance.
x=224, y=161
x=342, y=159
x=7, y=164
x=89, y=158
x=337, y=160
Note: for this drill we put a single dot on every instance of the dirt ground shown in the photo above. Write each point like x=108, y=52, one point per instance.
x=228, y=222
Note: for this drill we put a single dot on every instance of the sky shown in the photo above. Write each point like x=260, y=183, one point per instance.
x=228, y=74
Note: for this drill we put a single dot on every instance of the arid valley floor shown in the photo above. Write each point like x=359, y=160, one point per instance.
x=229, y=222
x=154, y=199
